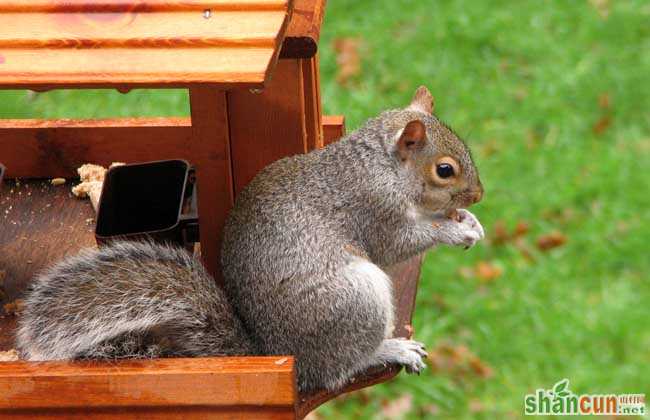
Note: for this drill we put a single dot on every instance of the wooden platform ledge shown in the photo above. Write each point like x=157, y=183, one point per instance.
x=201, y=388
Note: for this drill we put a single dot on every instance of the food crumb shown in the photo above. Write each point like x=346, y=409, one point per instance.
x=453, y=214
x=92, y=180
x=9, y=356
x=57, y=181
x=91, y=172
x=281, y=361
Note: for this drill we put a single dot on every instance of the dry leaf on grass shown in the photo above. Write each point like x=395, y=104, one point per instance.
x=484, y=270
x=521, y=229
x=480, y=368
x=397, y=408
x=487, y=271
x=551, y=240
x=604, y=101
x=458, y=360
x=602, y=125
x=500, y=233
x=347, y=59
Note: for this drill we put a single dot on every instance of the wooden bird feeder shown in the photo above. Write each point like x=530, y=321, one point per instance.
x=251, y=70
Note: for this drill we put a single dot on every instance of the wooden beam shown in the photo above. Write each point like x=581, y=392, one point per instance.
x=333, y=128
x=56, y=148
x=124, y=6
x=167, y=30
x=210, y=147
x=269, y=125
x=214, y=387
x=166, y=43
x=313, y=113
x=303, y=33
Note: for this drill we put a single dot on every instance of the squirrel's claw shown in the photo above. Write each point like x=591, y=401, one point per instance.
x=407, y=353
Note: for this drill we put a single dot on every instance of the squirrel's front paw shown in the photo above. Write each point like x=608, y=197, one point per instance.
x=462, y=229
x=407, y=353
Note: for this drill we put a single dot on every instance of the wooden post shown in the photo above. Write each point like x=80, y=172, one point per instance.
x=210, y=147
x=267, y=126
x=313, y=112
x=333, y=128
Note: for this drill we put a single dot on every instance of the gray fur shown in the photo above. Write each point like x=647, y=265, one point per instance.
x=305, y=241
x=302, y=255
x=128, y=300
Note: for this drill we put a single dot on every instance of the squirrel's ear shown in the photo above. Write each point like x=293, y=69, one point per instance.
x=412, y=139
x=422, y=100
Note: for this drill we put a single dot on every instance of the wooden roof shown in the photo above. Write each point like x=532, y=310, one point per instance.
x=230, y=43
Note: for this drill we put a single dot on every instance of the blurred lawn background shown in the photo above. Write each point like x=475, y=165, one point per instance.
x=554, y=99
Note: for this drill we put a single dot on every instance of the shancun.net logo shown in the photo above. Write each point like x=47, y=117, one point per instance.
x=561, y=401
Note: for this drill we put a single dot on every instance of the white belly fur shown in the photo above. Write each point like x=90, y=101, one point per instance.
x=376, y=283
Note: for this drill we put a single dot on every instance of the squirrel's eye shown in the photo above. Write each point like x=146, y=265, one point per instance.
x=445, y=170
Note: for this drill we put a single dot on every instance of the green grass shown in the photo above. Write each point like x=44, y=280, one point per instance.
x=521, y=81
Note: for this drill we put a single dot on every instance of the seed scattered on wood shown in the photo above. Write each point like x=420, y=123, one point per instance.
x=57, y=181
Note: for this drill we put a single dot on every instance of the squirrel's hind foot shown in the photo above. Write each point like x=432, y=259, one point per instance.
x=408, y=353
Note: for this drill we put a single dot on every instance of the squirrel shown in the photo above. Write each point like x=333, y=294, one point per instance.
x=302, y=257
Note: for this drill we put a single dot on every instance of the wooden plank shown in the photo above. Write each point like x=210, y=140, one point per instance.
x=56, y=148
x=154, y=44
x=210, y=146
x=39, y=225
x=267, y=126
x=313, y=113
x=142, y=67
x=142, y=6
x=155, y=413
x=43, y=224
x=333, y=128
x=223, y=382
x=140, y=30
x=304, y=30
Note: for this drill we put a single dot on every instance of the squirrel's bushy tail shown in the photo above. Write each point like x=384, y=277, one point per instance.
x=129, y=299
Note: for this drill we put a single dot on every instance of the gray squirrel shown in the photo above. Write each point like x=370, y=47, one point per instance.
x=302, y=258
